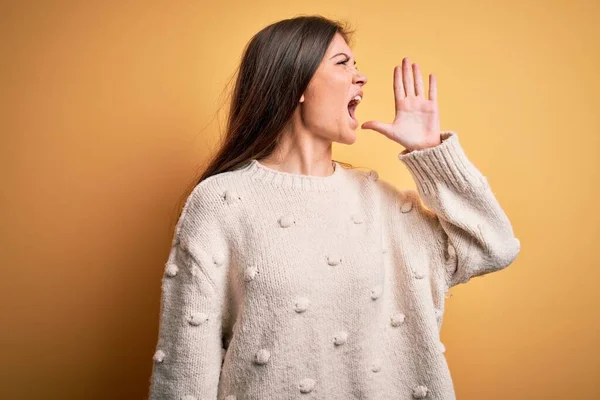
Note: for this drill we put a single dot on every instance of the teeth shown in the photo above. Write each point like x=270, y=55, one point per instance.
x=357, y=98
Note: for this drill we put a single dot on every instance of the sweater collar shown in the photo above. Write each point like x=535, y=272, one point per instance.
x=257, y=171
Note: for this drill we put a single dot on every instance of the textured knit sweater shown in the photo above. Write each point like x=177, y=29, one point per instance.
x=290, y=286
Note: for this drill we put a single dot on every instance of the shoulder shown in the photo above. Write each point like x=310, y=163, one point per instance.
x=206, y=207
x=214, y=193
x=387, y=191
x=397, y=202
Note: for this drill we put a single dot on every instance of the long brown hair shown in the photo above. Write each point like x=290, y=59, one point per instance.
x=276, y=67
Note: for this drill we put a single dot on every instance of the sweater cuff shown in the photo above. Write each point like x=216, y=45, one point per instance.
x=445, y=164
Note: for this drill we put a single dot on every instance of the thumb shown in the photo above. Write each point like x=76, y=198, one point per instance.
x=381, y=127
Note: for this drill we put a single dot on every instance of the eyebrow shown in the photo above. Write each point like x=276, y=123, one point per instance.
x=339, y=54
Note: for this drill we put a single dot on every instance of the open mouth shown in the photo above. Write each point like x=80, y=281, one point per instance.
x=352, y=106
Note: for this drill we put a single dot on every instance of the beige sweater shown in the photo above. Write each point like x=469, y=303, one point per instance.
x=289, y=286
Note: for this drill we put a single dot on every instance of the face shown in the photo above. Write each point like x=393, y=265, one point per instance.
x=324, y=105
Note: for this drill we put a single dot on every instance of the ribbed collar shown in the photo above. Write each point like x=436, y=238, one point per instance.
x=257, y=171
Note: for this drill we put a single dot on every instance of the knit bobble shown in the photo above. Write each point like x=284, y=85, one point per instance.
x=159, y=356
x=334, y=259
x=376, y=292
x=419, y=274
x=451, y=264
x=406, y=207
x=357, y=218
x=189, y=397
x=517, y=242
x=196, y=271
x=171, y=270
x=420, y=392
x=306, y=385
x=484, y=181
x=376, y=366
x=397, y=319
x=301, y=304
x=451, y=251
x=195, y=319
x=230, y=196
x=218, y=258
x=250, y=273
x=441, y=347
x=286, y=221
x=340, y=338
x=373, y=175
x=262, y=356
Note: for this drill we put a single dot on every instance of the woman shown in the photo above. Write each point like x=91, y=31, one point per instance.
x=291, y=277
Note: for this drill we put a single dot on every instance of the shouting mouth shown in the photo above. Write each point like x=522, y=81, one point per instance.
x=352, y=106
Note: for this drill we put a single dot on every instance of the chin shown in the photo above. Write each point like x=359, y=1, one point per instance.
x=347, y=138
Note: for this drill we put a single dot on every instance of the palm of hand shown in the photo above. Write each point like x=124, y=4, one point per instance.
x=417, y=123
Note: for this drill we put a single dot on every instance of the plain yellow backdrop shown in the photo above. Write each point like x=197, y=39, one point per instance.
x=109, y=112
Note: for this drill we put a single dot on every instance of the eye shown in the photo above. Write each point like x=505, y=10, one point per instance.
x=345, y=61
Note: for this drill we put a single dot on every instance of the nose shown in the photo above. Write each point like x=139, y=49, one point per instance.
x=359, y=78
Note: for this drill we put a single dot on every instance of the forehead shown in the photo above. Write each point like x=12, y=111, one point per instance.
x=338, y=45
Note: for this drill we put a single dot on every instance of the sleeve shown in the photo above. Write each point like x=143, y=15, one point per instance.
x=188, y=355
x=470, y=231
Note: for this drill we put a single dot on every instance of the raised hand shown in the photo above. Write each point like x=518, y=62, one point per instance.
x=417, y=122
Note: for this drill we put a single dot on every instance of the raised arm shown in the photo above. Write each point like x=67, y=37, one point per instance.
x=468, y=224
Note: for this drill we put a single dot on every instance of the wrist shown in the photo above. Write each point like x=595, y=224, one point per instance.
x=423, y=146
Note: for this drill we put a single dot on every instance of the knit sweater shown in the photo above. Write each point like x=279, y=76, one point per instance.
x=289, y=286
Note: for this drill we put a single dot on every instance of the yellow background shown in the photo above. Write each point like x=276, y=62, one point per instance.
x=109, y=111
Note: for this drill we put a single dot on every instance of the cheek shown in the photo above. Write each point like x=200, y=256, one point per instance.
x=328, y=101
x=323, y=113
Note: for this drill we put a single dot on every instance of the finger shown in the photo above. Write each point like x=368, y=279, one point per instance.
x=409, y=88
x=419, y=91
x=383, y=128
x=398, y=87
x=432, y=88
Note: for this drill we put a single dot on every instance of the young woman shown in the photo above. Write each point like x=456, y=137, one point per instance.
x=292, y=277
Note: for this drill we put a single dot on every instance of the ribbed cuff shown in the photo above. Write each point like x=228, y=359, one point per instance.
x=445, y=164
